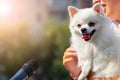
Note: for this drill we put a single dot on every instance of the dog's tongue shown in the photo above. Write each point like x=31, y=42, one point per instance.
x=86, y=36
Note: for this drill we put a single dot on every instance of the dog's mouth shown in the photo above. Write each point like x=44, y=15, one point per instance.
x=88, y=36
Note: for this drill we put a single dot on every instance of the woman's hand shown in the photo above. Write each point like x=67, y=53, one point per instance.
x=70, y=61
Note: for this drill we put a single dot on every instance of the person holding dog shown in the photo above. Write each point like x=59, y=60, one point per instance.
x=112, y=10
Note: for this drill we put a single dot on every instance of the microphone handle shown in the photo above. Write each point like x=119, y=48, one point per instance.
x=20, y=75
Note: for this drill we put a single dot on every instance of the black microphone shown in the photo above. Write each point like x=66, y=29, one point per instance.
x=27, y=70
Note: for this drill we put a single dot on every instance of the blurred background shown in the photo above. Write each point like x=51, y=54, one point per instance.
x=35, y=29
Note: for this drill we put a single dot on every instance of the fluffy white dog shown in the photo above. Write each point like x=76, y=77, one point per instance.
x=95, y=38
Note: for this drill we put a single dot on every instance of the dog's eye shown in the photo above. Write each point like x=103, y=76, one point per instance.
x=78, y=25
x=91, y=24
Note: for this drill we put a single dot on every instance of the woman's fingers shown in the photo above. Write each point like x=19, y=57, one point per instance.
x=70, y=62
x=65, y=61
x=70, y=58
x=70, y=53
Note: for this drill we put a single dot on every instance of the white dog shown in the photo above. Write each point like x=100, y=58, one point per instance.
x=96, y=41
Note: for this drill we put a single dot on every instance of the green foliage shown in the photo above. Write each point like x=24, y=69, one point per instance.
x=56, y=35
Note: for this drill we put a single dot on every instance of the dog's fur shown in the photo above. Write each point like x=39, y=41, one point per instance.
x=101, y=53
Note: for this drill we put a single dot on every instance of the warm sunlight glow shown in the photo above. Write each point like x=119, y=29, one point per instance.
x=5, y=9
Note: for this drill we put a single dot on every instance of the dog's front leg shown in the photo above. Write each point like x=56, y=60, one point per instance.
x=87, y=66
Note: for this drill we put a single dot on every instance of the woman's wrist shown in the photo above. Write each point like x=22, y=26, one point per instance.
x=74, y=77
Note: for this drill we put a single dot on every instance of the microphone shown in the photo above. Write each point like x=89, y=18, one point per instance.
x=27, y=70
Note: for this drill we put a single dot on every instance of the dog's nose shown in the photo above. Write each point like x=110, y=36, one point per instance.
x=83, y=30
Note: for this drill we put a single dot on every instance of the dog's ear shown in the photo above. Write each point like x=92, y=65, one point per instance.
x=72, y=11
x=98, y=8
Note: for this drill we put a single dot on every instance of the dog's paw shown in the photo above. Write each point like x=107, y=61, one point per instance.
x=81, y=77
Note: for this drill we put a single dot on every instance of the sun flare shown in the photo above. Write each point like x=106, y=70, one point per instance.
x=5, y=9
